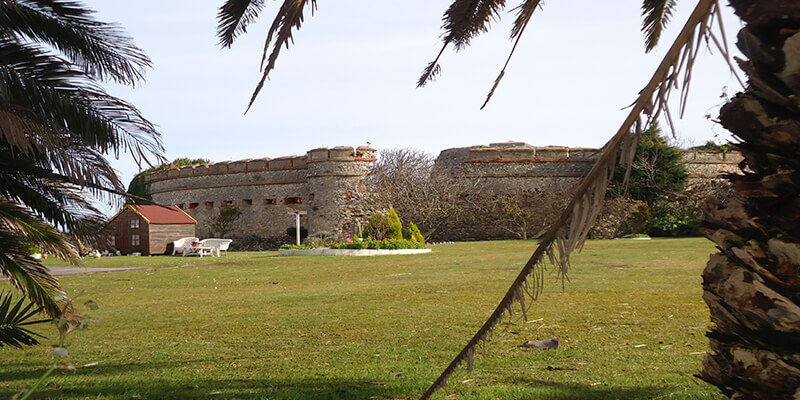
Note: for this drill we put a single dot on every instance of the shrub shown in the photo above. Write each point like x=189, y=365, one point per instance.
x=413, y=234
x=322, y=239
x=387, y=244
x=395, y=226
x=673, y=219
x=258, y=243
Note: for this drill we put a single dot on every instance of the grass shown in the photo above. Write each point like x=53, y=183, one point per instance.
x=258, y=326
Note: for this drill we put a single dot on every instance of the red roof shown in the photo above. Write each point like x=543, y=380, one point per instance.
x=163, y=215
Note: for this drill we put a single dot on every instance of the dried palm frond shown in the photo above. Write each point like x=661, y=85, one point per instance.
x=570, y=230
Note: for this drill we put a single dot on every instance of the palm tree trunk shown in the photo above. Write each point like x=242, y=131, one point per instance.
x=752, y=286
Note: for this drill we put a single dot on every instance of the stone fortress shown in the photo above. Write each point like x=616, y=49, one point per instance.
x=329, y=183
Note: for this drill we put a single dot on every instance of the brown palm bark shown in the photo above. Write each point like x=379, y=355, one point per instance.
x=752, y=286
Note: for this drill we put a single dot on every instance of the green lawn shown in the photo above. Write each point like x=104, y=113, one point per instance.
x=258, y=326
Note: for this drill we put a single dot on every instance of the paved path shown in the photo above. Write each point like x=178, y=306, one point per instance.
x=59, y=271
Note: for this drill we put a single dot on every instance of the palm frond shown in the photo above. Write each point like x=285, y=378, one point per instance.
x=48, y=94
x=18, y=231
x=462, y=21
x=290, y=16
x=657, y=14
x=234, y=16
x=524, y=14
x=570, y=230
x=13, y=320
x=102, y=50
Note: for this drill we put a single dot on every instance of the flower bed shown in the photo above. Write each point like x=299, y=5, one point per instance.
x=356, y=248
x=327, y=251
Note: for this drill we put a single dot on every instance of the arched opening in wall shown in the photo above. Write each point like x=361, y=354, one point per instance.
x=270, y=202
x=247, y=202
x=193, y=205
x=293, y=200
x=209, y=204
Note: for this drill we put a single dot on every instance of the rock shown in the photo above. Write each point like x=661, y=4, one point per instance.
x=542, y=344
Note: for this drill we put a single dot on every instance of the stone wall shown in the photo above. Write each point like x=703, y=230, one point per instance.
x=513, y=167
x=555, y=168
x=326, y=183
x=329, y=183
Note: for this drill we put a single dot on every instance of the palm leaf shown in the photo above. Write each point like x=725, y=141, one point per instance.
x=524, y=14
x=18, y=231
x=462, y=21
x=13, y=321
x=45, y=93
x=290, y=16
x=572, y=227
x=234, y=16
x=657, y=14
x=100, y=49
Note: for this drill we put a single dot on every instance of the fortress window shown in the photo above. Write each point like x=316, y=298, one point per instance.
x=293, y=200
x=226, y=203
x=209, y=204
x=311, y=196
x=193, y=205
x=180, y=206
x=270, y=201
x=247, y=202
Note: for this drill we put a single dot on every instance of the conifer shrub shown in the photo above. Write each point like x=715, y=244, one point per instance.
x=413, y=234
x=395, y=225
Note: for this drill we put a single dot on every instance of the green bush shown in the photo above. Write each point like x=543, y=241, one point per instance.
x=673, y=219
x=387, y=244
x=413, y=234
x=395, y=226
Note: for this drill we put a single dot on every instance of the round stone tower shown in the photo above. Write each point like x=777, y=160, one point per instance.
x=336, y=189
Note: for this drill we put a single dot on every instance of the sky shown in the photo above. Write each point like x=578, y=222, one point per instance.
x=349, y=79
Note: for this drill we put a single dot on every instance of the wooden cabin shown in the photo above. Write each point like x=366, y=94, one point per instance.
x=148, y=229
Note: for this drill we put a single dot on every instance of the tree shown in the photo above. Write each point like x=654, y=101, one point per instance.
x=657, y=170
x=137, y=188
x=225, y=220
x=751, y=286
x=404, y=179
x=56, y=126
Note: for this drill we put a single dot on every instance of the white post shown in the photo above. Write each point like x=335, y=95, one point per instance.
x=297, y=214
x=297, y=230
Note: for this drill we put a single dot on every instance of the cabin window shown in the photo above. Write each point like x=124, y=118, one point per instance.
x=268, y=202
x=112, y=241
x=193, y=205
x=247, y=202
x=293, y=200
x=135, y=240
x=135, y=223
